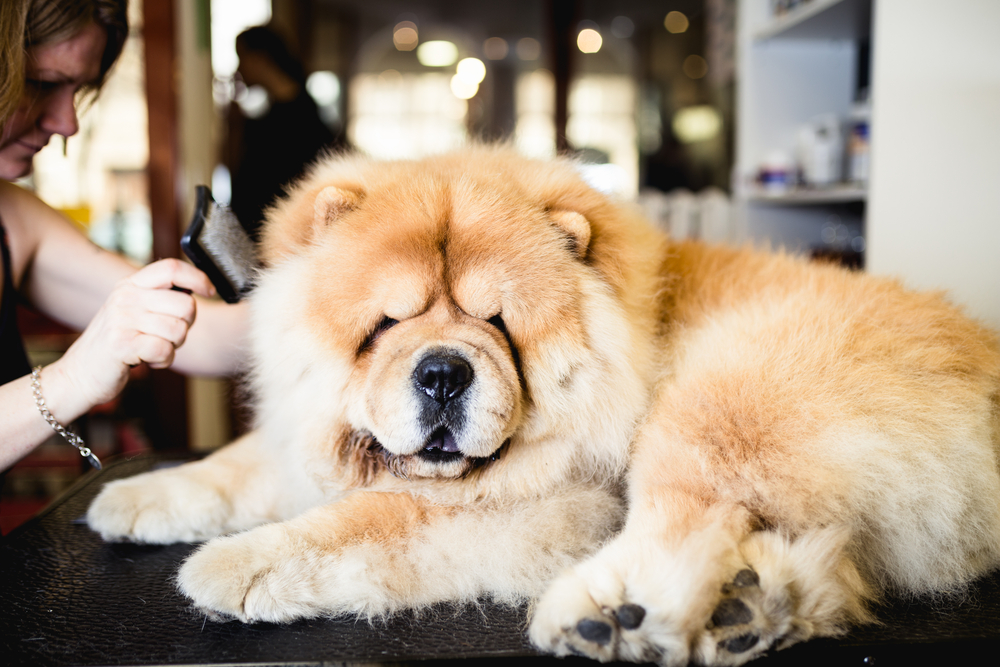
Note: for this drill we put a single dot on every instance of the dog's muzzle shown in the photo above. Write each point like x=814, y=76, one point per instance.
x=442, y=376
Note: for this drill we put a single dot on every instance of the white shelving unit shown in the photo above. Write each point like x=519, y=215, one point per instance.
x=840, y=194
x=819, y=19
x=793, y=68
x=931, y=211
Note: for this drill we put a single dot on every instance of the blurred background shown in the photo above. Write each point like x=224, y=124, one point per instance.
x=863, y=132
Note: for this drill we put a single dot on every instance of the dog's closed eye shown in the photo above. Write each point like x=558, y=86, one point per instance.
x=498, y=322
x=384, y=325
x=501, y=326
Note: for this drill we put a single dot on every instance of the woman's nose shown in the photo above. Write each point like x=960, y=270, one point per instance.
x=59, y=113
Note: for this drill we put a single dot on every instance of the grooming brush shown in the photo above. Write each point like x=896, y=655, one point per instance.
x=218, y=245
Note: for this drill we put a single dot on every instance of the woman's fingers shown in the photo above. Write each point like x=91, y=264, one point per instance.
x=154, y=350
x=131, y=301
x=171, y=329
x=168, y=273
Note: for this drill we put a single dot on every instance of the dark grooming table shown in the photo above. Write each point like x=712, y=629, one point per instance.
x=68, y=598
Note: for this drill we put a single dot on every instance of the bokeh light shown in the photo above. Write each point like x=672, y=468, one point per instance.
x=676, y=22
x=495, y=48
x=405, y=36
x=622, y=27
x=528, y=48
x=695, y=66
x=463, y=89
x=471, y=69
x=324, y=87
x=437, y=53
x=465, y=83
x=589, y=40
x=696, y=123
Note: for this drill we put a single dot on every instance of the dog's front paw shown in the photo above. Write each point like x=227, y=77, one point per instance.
x=159, y=508
x=265, y=574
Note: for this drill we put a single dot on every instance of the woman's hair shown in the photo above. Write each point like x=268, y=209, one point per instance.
x=262, y=39
x=28, y=23
x=12, y=14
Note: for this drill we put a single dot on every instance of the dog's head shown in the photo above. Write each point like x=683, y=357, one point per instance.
x=431, y=316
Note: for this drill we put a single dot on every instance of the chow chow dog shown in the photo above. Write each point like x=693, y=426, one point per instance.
x=477, y=377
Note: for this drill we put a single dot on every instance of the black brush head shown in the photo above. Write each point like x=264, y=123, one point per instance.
x=218, y=246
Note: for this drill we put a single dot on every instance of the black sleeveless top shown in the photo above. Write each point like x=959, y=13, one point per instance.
x=13, y=359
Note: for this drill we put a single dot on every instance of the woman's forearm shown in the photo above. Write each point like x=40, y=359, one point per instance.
x=22, y=427
x=216, y=343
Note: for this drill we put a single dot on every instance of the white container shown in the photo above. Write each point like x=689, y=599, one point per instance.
x=820, y=148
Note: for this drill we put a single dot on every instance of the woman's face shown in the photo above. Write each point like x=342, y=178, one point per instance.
x=54, y=74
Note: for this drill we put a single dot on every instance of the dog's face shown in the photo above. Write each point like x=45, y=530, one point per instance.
x=453, y=306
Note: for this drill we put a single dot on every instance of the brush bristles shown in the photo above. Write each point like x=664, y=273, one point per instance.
x=229, y=246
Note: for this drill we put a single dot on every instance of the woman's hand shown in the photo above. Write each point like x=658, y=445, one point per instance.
x=143, y=320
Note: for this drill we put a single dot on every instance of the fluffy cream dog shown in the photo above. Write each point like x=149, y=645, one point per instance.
x=468, y=367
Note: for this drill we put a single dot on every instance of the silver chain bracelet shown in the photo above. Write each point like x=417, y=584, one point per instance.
x=72, y=438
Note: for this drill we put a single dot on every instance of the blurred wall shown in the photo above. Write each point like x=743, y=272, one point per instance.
x=934, y=211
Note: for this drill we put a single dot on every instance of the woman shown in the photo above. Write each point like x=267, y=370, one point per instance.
x=64, y=48
x=274, y=148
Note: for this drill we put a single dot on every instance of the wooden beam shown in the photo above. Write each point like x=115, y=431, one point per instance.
x=161, y=100
x=166, y=422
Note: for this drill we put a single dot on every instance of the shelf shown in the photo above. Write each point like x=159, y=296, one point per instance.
x=841, y=194
x=820, y=19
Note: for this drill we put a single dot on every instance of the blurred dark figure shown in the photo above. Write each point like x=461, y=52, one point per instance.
x=269, y=151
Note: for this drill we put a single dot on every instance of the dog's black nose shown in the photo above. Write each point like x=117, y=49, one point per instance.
x=443, y=377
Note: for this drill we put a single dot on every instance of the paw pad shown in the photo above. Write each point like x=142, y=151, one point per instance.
x=731, y=611
x=630, y=616
x=598, y=632
x=740, y=598
x=744, y=579
x=740, y=644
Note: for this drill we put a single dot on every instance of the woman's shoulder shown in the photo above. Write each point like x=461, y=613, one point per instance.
x=28, y=221
x=18, y=206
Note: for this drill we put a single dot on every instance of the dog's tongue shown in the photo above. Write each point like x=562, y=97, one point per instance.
x=443, y=439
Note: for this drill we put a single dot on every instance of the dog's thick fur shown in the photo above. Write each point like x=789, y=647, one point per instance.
x=476, y=376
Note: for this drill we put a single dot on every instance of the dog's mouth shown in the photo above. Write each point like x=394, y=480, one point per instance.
x=431, y=461
x=441, y=447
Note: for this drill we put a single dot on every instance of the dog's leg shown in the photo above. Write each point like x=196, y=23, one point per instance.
x=237, y=487
x=732, y=545
x=705, y=586
x=373, y=553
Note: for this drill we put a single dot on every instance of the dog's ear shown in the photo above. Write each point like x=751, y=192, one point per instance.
x=332, y=202
x=575, y=226
x=293, y=223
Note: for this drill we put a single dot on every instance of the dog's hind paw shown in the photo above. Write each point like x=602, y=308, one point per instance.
x=638, y=603
x=709, y=600
x=589, y=611
x=744, y=623
x=620, y=628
